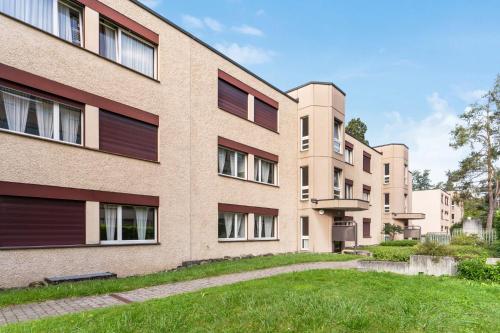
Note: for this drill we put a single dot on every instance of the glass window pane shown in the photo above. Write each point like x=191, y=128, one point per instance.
x=107, y=42
x=137, y=55
x=305, y=126
x=241, y=165
x=35, y=12
x=69, y=24
x=108, y=222
x=70, y=124
x=305, y=226
x=129, y=228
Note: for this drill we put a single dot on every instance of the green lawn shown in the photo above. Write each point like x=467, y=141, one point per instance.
x=311, y=301
x=26, y=295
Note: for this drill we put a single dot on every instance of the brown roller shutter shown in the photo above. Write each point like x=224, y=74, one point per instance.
x=348, y=182
x=265, y=115
x=367, y=188
x=366, y=162
x=366, y=227
x=233, y=100
x=348, y=145
x=122, y=135
x=28, y=221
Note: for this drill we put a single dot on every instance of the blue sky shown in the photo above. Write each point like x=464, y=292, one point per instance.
x=408, y=67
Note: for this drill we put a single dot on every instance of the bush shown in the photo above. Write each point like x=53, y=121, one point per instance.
x=478, y=270
x=406, y=242
x=467, y=240
x=463, y=252
x=392, y=253
x=495, y=249
x=433, y=249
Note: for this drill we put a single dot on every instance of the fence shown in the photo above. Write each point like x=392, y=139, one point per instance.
x=442, y=238
x=486, y=236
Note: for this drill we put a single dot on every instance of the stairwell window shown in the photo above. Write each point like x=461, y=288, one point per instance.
x=386, y=173
x=31, y=115
x=387, y=206
x=61, y=18
x=126, y=48
x=304, y=183
x=265, y=171
x=232, y=226
x=348, y=189
x=337, y=175
x=304, y=133
x=337, y=135
x=232, y=163
x=265, y=227
x=348, y=155
x=304, y=233
x=127, y=224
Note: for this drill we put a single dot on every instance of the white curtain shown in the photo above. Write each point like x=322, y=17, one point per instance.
x=141, y=217
x=110, y=221
x=266, y=167
x=45, y=118
x=65, y=23
x=16, y=109
x=232, y=162
x=268, y=226
x=228, y=222
x=222, y=160
x=258, y=226
x=70, y=123
x=137, y=55
x=256, y=170
x=35, y=12
x=240, y=225
x=107, y=42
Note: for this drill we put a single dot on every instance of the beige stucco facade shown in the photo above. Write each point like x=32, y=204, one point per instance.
x=184, y=95
x=437, y=206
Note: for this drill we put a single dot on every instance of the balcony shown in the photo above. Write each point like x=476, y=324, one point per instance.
x=340, y=204
x=408, y=216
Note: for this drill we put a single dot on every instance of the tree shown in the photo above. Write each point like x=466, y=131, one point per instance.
x=480, y=131
x=357, y=129
x=392, y=230
x=421, y=180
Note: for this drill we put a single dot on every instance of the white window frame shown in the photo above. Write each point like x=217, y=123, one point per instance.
x=366, y=195
x=55, y=119
x=348, y=191
x=261, y=221
x=119, y=231
x=118, y=35
x=302, y=237
x=387, y=176
x=337, y=143
x=236, y=153
x=387, y=207
x=70, y=5
x=245, y=222
x=348, y=155
x=304, y=189
x=337, y=191
x=258, y=161
x=304, y=139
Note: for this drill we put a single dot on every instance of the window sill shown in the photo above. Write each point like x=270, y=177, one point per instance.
x=28, y=136
x=249, y=240
x=80, y=47
x=349, y=163
x=246, y=119
x=47, y=247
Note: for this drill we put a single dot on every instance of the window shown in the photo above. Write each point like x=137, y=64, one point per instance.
x=337, y=174
x=232, y=226
x=232, y=99
x=61, y=18
x=304, y=133
x=366, y=195
x=304, y=183
x=265, y=115
x=265, y=227
x=366, y=162
x=442, y=216
x=442, y=198
x=386, y=173
x=348, y=155
x=386, y=203
x=304, y=233
x=127, y=224
x=406, y=174
x=24, y=113
x=406, y=204
x=337, y=134
x=453, y=217
x=127, y=49
x=366, y=227
x=232, y=163
x=348, y=189
x=265, y=171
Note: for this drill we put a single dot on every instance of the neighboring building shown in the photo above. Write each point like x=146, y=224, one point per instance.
x=457, y=208
x=436, y=204
x=130, y=146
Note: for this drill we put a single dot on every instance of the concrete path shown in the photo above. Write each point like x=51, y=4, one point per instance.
x=31, y=311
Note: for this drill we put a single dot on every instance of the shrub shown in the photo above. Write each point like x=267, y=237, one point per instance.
x=495, y=249
x=467, y=240
x=478, y=270
x=406, y=242
x=392, y=253
x=433, y=249
x=463, y=252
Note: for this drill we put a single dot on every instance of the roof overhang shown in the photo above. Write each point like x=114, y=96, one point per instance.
x=408, y=216
x=341, y=204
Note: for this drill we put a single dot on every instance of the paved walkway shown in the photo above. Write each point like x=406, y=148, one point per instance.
x=31, y=311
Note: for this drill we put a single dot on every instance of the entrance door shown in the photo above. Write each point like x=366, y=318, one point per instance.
x=338, y=246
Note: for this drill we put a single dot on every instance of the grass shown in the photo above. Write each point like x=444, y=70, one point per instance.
x=97, y=287
x=311, y=301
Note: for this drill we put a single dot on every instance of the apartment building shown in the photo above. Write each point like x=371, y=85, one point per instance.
x=130, y=146
x=437, y=206
x=457, y=208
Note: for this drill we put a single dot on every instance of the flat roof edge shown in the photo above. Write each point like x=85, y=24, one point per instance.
x=392, y=144
x=190, y=35
x=317, y=82
x=364, y=144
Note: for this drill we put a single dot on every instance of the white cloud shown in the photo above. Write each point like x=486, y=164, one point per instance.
x=213, y=24
x=248, y=30
x=192, y=22
x=471, y=96
x=247, y=54
x=260, y=12
x=151, y=3
x=428, y=138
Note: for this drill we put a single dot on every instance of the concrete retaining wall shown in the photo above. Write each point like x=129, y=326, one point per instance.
x=427, y=265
